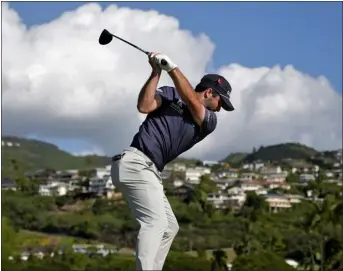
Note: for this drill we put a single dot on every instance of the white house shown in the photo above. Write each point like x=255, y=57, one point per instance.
x=193, y=174
x=236, y=201
x=236, y=190
x=179, y=167
x=72, y=171
x=250, y=186
x=230, y=173
x=54, y=188
x=103, y=185
x=220, y=200
x=249, y=176
x=253, y=166
x=276, y=177
x=329, y=174
x=210, y=163
x=271, y=170
x=277, y=202
x=283, y=185
x=217, y=199
x=306, y=169
x=101, y=172
x=305, y=178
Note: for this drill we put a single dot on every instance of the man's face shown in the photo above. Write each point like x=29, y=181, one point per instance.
x=212, y=100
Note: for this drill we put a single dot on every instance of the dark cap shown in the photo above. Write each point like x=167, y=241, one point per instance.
x=221, y=86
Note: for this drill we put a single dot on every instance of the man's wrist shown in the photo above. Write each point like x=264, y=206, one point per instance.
x=173, y=72
x=155, y=73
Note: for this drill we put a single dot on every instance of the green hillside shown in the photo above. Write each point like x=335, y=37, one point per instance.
x=282, y=151
x=235, y=158
x=23, y=155
x=277, y=152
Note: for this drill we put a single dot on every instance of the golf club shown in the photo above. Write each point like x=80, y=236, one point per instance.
x=106, y=37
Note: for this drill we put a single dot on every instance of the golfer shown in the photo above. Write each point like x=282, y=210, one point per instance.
x=177, y=118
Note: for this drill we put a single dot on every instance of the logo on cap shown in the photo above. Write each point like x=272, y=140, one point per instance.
x=219, y=81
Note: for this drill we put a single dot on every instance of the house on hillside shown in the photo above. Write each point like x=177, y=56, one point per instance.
x=222, y=200
x=193, y=174
x=101, y=186
x=306, y=169
x=232, y=173
x=65, y=176
x=273, y=185
x=276, y=177
x=271, y=170
x=101, y=172
x=256, y=165
x=179, y=167
x=54, y=188
x=183, y=192
x=250, y=186
x=224, y=183
x=73, y=171
x=306, y=178
x=277, y=202
x=295, y=198
x=249, y=176
x=210, y=163
x=166, y=174
x=8, y=184
x=218, y=199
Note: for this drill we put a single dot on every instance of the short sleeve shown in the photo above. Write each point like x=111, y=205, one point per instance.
x=210, y=122
x=166, y=93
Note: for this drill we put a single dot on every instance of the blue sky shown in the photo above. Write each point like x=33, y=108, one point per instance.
x=306, y=35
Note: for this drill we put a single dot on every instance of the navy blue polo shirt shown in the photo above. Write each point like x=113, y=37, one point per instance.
x=170, y=130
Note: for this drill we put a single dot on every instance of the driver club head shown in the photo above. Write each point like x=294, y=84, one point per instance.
x=105, y=37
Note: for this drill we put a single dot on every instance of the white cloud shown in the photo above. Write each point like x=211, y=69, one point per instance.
x=59, y=82
x=92, y=151
x=275, y=105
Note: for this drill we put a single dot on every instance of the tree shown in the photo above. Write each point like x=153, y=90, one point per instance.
x=321, y=176
x=293, y=178
x=256, y=204
x=27, y=186
x=201, y=191
x=9, y=239
x=207, y=185
x=258, y=261
x=219, y=260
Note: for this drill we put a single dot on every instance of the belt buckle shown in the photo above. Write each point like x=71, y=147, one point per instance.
x=117, y=157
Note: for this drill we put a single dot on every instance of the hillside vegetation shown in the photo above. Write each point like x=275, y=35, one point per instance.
x=24, y=155
x=276, y=153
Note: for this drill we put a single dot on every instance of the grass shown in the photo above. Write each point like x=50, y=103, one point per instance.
x=31, y=238
x=229, y=252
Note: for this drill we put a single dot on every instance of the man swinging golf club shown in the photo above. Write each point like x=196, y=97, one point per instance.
x=178, y=118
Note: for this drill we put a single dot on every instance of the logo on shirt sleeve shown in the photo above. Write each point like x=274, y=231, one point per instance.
x=177, y=106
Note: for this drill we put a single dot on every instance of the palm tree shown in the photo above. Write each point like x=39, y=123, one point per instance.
x=219, y=260
x=321, y=214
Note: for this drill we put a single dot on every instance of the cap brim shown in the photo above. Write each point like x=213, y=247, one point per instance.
x=226, y=103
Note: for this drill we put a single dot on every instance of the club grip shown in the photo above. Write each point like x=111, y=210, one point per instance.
x=163, y=61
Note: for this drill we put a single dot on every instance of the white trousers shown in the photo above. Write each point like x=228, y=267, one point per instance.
x=139, y=181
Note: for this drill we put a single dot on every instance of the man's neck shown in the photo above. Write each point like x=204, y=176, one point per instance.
x=200, y=97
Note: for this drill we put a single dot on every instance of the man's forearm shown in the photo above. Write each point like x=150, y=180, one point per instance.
x=183, y=86
x=148, y=91
x=188, y=95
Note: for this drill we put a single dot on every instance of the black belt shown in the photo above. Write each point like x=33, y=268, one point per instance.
x=117, y=157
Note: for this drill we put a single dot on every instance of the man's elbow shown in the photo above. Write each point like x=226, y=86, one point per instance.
x=146, y=108
x=143, y=109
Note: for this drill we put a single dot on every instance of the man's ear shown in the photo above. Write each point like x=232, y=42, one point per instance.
x=208, y=93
